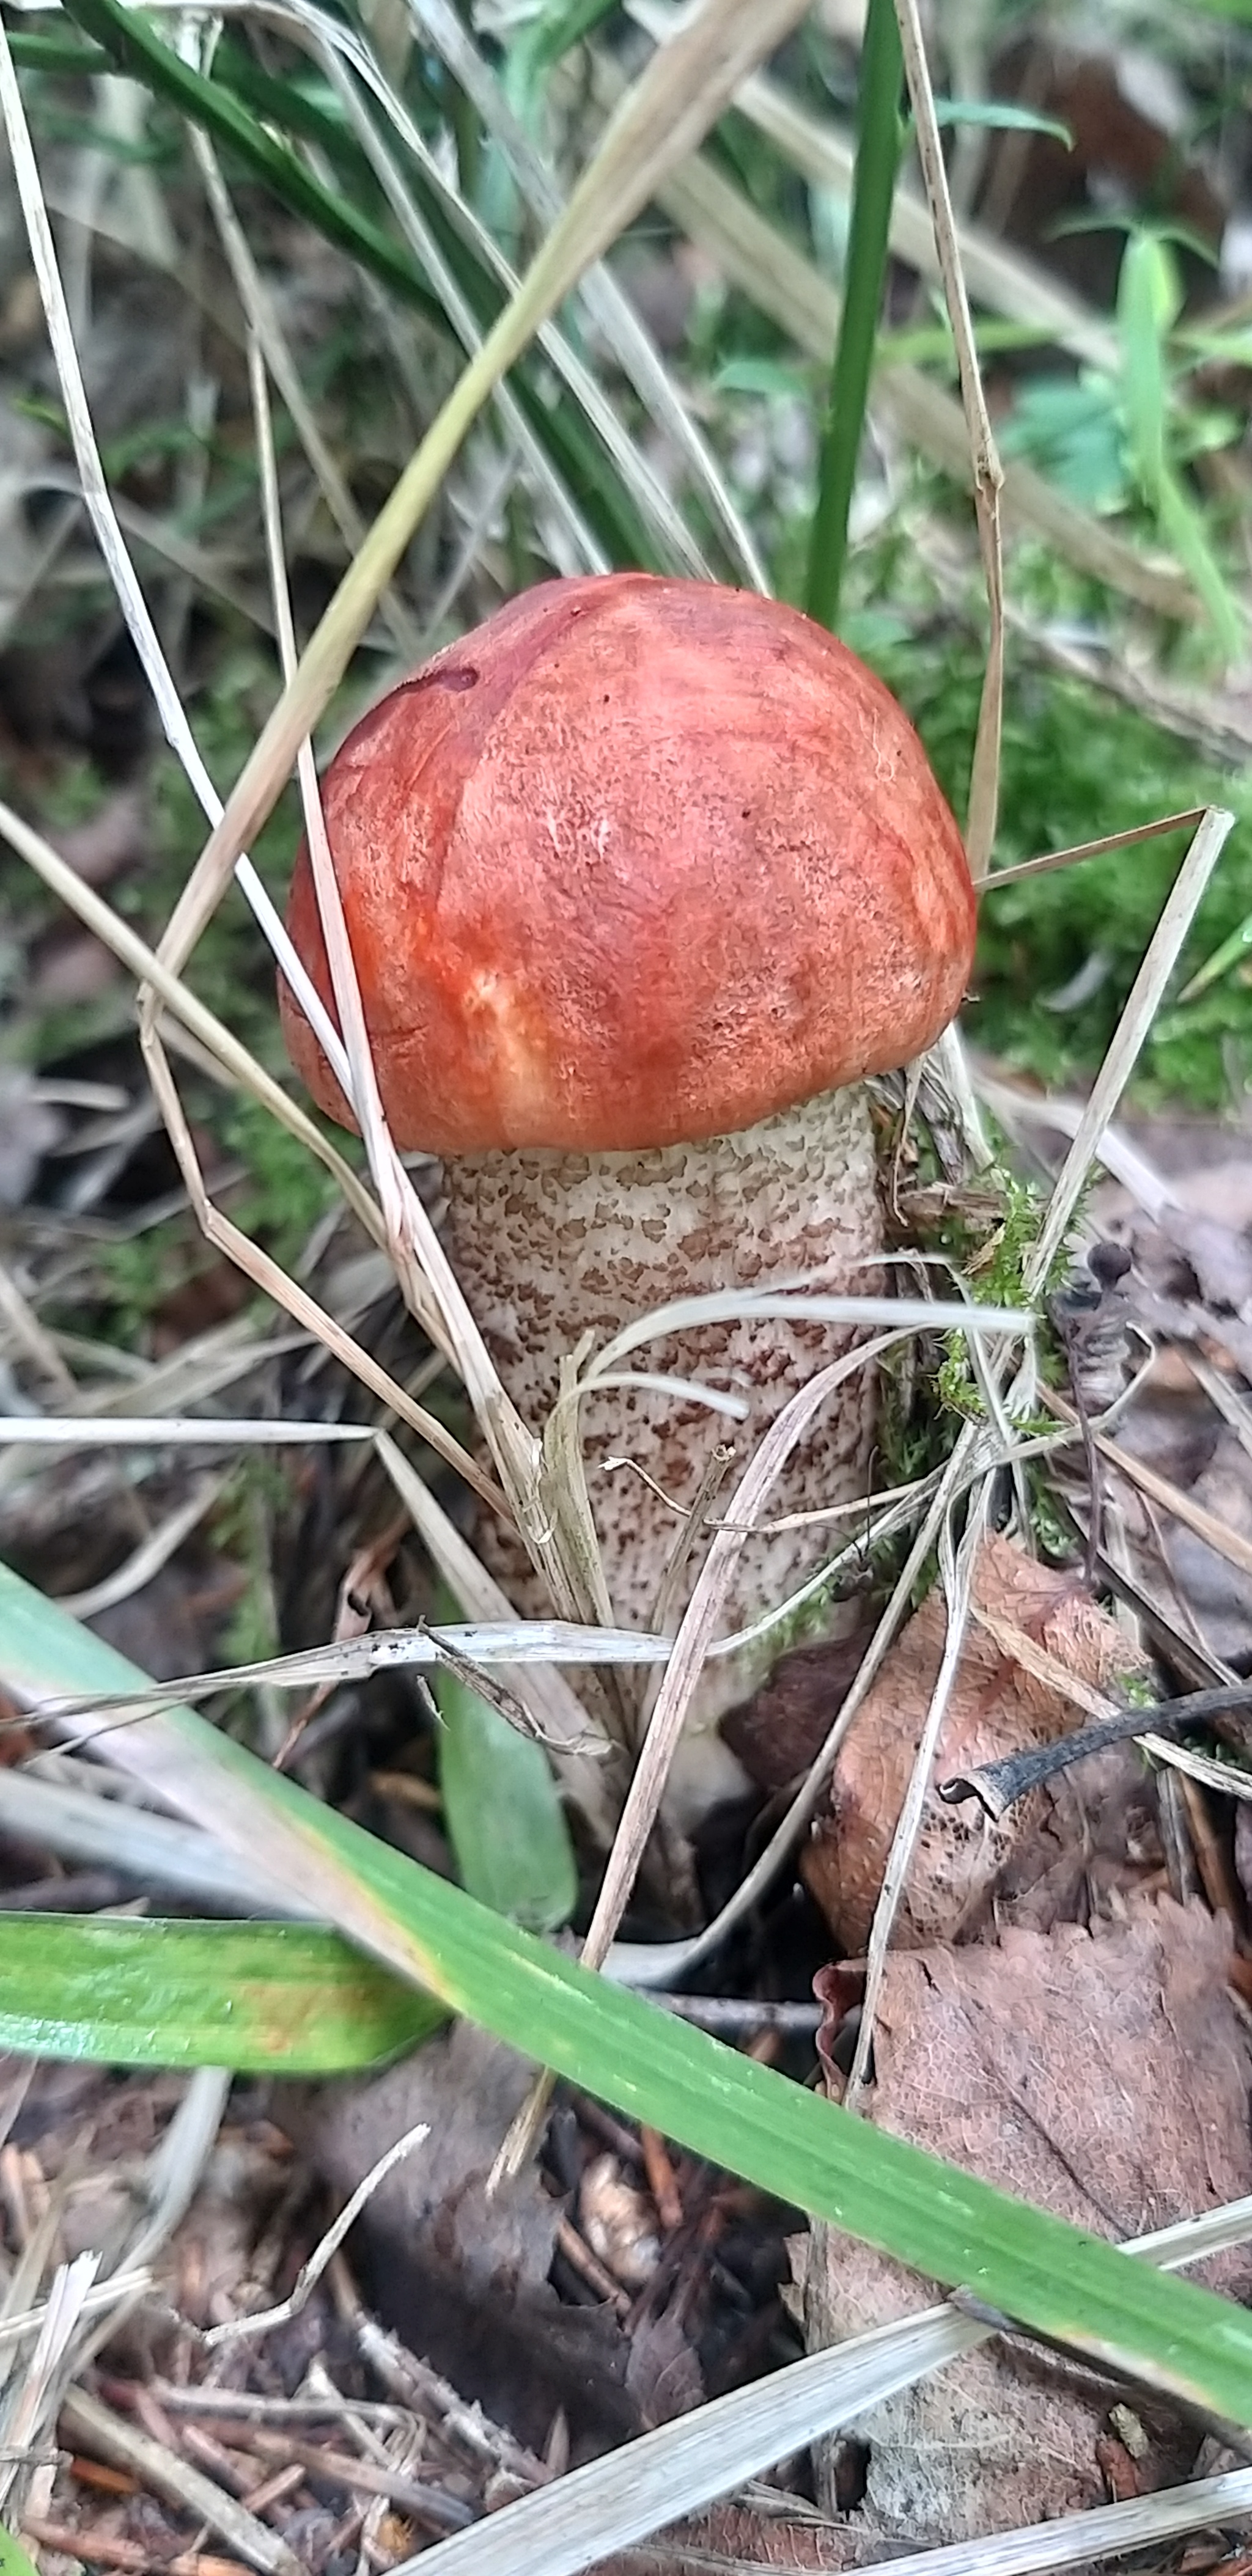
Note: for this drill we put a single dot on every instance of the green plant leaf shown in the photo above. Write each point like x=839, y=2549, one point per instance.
x=1149, y=300
x=1035, y=2268
x=13, y=2558
x=1001, y=113
x=504, y=1817
x=270, y=1998
x=878, y=137
x=541, y=45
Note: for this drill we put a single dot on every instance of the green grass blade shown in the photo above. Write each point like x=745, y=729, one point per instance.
x=878, y=133
x=504, y=1817
x=1149, y=298
x=60, y=55
x=133, y=47
x=227, y=117
x=268, y=1998
x=948, y=2226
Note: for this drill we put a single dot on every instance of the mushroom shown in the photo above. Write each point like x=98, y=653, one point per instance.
x=641, y=879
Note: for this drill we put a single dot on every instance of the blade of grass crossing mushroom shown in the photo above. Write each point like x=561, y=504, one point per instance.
x=578, y=1752
x=663, y=117
x=1160, y=959
x=984, y=789
x=695, y=1635
x=125, y=943
x=391, y=1181
x=1033, y=2267
x=663, y=1963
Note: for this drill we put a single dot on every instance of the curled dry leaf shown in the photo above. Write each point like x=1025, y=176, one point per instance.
x=619, y=2222
x=1101, y=2075
x=997, y=1707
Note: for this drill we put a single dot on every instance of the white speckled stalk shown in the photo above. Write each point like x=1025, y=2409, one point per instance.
x=551, y=1246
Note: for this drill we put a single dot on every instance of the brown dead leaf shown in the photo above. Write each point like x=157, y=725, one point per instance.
x=1103, y=2076
x=460, y=2273
x=777, y=1732
x=997, y=1707
x=734, y=2536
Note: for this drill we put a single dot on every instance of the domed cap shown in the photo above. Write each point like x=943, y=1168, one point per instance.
x=639, y=860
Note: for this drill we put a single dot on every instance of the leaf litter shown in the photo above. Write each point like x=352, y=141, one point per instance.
x=1073, y=1890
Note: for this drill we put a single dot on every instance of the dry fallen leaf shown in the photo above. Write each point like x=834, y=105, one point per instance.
x=460, y=2271
x=619, y=2222
x=996, y=1708
x=1101, y=2075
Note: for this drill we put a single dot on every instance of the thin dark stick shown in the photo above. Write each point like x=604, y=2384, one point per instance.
x=998, y=1785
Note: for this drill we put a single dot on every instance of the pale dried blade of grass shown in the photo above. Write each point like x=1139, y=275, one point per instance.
x=269, y=1275
x=17, y=2327
x=426, y=1277
x=263, y=321
x=1096, y=2538
x=615, y=2502
x=150, y=1431
x=101, y=1833
x=190, y=1376
x=608, y=307
x=1053, y=859
x=457, y=1643
x=984, y=791
x=695, y=1636
x=558, y=1711
x=1217, y=1534
x=226, y=1049
x=29, y=2414
x=956, y=1573
x=1160, y=959
x=663, y=1963
x=870, y=1314
x=664, y=117
x=109, y=538
x=327, y=2246
x=1032, y=1658
x=522, y=439
x=1225, y=1777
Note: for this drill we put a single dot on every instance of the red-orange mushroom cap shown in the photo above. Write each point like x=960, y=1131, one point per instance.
x=639, y=860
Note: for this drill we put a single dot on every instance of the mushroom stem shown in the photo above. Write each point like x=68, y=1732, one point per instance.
x=552, y=1246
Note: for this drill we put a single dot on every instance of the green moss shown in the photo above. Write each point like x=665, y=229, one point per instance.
x=1076, y=764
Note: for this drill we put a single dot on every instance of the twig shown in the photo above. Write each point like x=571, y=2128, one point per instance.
x=109, y=2437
